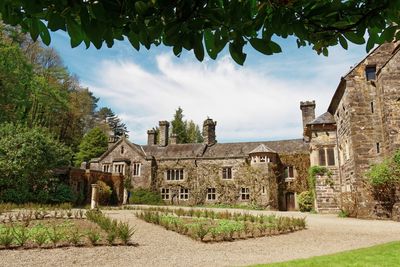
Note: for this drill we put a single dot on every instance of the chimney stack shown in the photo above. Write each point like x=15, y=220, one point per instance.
x=209, y=131
x=308, y=113
x=173, y=139
x=151, y=137
x=164, y=131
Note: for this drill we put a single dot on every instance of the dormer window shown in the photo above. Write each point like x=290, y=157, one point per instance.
x=263, y=158
x=370, y=73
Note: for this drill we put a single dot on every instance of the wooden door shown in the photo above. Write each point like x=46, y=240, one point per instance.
x=290, y=201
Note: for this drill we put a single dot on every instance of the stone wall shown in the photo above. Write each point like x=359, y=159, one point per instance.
x=130, y=155
x=360, y=130
x=201, y=174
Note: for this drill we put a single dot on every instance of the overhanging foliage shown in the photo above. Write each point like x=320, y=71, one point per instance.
x=209, y=25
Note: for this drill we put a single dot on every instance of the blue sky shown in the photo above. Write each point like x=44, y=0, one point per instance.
x=257, y=101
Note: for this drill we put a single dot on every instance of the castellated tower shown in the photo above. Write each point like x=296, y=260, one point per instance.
x=308, y=113
x=209, y=131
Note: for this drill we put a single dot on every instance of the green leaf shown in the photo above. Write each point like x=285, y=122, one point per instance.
x=141, y=7
x=75, y=32
x=325, y=51
x=266, y=47
x=237, y=54
x=209, y=41
x=134, y=40
x=34, y=29
x=56, y=22
x=370, y=44
x=261, y=46
x=354, y=38
x=44, y=33
x=177, y=50
x=343, y=42
x=198, y=49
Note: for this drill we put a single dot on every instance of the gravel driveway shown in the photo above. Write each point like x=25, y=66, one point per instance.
x=158, y=247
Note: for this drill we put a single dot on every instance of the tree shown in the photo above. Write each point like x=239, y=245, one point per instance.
x=108, y=121
x=209, y=25
x=93, y=144
x=193, y=132
x=179, y=127
x=27, y=158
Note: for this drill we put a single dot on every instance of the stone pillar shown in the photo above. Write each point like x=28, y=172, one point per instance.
x=95, y=197
x=164, y=132
x=125, y=197
x=151, y=137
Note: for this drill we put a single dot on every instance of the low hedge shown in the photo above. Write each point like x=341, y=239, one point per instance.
x=145, y=196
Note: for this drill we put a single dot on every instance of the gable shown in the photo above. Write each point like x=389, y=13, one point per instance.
x=123, y=150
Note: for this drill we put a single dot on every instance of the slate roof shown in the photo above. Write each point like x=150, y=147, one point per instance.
x=325, y=118
x=243, y=149
x=175, y=151
x=218, y=150
x=262, y=149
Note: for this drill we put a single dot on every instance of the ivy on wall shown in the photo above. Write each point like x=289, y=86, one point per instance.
x=203, y=174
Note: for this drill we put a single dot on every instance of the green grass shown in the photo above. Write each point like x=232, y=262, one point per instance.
x=382, y=255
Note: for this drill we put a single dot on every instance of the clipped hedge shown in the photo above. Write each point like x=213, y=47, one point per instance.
x=145, y=196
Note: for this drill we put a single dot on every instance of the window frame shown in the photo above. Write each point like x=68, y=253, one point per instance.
x=211, y=194
x=370, y=70
x=165, y=193
x=177, y=174
x=136, y=169
x=227, y=173
x=184, y=193
x=244, y=193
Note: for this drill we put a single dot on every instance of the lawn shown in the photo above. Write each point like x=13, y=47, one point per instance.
x=382, y=255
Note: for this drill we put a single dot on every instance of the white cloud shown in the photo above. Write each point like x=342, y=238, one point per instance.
x=249, y=103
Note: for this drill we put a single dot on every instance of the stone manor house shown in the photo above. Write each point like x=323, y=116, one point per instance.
x=359, y=128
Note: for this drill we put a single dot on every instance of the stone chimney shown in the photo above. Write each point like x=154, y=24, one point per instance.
x=173, y=139
x=112, y=139
x=164, y=131
x=209, y=131
x=308, y=113
x=151, y=137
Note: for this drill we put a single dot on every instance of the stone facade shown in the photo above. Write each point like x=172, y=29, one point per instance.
x=361, y=126
x=211, y=172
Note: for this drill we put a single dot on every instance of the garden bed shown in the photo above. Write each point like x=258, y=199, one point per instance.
x=210, y=226
x=28, y=229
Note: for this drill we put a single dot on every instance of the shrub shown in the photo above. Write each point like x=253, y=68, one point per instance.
x=6, y=237
x=200, y=231
x=125, y=232
x=306, y=201
x=93, y=236
x=111, y=236
x=21, y=234
x=343, y=214
x=28, y=156
x=75, y=237
x=145, y=196
x=104, y=193
x=55, y=235
x=40, y=237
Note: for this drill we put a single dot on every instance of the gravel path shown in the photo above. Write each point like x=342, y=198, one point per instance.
x=158, y=247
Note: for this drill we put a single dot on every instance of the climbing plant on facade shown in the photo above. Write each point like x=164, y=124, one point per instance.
x=209, y=25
